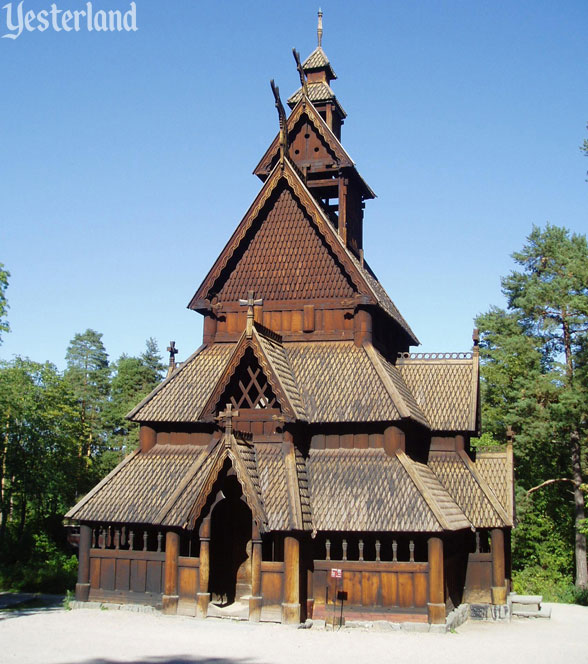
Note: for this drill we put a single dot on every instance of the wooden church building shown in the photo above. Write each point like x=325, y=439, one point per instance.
x=303, y=450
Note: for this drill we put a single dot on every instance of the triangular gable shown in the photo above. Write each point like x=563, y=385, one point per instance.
x=287, y=179
x=267, y=349
x=186, y=504
x=304, y=111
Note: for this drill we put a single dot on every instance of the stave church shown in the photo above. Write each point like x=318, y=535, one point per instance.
x=303, y=459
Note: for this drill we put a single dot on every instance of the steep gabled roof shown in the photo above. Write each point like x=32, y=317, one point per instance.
x=318, y=92
x=300, y=111
x=269, y=352
x=341, y=261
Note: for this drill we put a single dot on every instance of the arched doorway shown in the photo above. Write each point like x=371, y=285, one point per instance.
x=230, y=546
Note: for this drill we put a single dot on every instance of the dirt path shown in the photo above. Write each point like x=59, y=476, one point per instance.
x=104, y=637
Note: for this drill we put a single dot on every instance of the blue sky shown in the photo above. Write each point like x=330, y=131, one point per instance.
x=127, y=157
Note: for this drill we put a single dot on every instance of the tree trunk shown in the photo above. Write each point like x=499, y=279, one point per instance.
x=576, y=458
x=579, y=514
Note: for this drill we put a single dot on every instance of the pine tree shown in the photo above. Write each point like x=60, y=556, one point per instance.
x=531, y=375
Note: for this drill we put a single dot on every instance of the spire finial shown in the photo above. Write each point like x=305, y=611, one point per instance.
x=319, y=30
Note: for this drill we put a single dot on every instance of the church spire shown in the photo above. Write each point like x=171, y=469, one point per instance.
x=319, y=30
x=319, y=75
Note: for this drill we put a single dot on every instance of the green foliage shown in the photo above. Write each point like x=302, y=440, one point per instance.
x=59, y=435
x=133, y=379
x=534, y=376
x=4, y=274
x=41, y=567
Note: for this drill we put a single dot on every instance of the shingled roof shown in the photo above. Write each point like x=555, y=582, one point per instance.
x=169, y=485
x=318, y=60
x=328, y=381
x=285, y=216
x=445, y=386
x=458, y=474
x=367, y=490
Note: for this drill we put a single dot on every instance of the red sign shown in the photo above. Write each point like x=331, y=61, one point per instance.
x=336, y=573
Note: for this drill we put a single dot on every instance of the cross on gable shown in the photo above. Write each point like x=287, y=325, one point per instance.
x=226, y=417
x=250, y=303
x=172, y=350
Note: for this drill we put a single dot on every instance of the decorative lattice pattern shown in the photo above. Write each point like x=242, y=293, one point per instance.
x=249, y=387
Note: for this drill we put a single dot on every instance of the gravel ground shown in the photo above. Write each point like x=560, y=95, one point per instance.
x=86, y=636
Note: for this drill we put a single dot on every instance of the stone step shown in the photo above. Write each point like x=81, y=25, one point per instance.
x=526, y=599
x=543, y=612
x=525, y=603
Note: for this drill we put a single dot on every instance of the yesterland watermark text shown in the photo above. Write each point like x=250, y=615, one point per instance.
x=19, y=20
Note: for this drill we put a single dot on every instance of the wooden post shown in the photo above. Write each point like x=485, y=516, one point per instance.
x=210, y=327
x=170, y=592
x=291, y=604
x=436, y=604
x=147, y=438
x=498, y=567
x=255, y=599
x=203, y=597
x=394, y=439
x=83, y=584
x=362, y=327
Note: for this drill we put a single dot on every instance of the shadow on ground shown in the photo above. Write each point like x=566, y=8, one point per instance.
x=175, y=659
x=13, y=605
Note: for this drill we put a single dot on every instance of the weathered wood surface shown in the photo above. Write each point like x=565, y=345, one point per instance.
x=373, y=584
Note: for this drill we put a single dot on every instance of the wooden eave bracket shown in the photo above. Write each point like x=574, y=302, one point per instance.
x=485, y=487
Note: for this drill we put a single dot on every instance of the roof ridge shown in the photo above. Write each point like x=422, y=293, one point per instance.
x=431, y=357
x=385, y=379
x=166, y=381
x=485, y=487
x=170, y=502
x=407, y=464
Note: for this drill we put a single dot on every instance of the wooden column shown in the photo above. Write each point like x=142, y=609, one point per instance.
x=362, y=327
x=498, y=567
x=291, y=604
x=394, y=439
x=255, y=599
x=147, y=438
x=203, y=597
x=436, y=604
x=210, y=327
x=83, y=584
x=170, y=591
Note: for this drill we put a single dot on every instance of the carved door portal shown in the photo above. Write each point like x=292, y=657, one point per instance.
x=230, y=546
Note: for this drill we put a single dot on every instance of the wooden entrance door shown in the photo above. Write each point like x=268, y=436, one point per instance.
x=230, y=546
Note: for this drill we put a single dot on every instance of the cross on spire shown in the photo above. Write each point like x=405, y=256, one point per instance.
x=226, y=417
x=250, y=303
x=172, y=350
